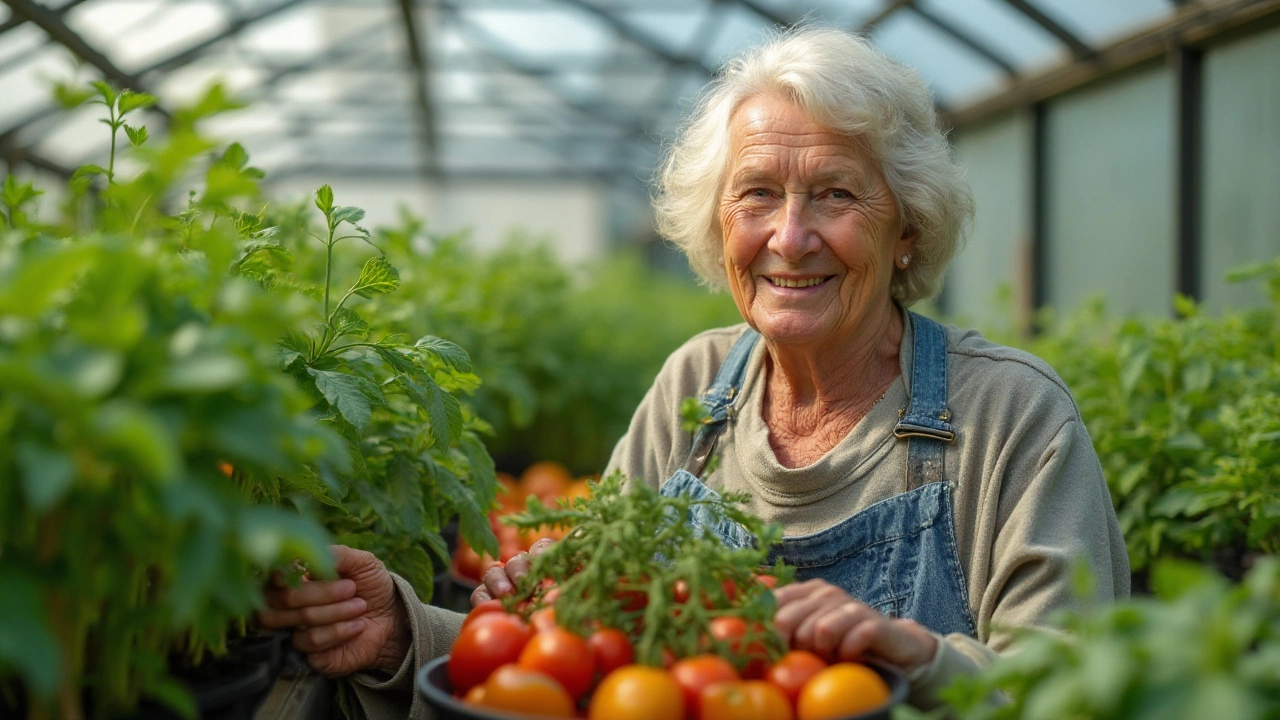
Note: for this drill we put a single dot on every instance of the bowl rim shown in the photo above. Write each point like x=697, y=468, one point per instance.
x=899, y=688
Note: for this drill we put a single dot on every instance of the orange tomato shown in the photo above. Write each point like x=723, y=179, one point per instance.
x=526, y=691
x=226, y=468
x=696, y=674
x=578, y=489
x=510, y=494
x=841, y=690
x=792, y=671
x=475, y=695
x=745, y=700
x=562, y=655
x=637, y=692
x=547, y=480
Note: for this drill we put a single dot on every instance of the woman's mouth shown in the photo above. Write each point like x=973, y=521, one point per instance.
x=796, y=282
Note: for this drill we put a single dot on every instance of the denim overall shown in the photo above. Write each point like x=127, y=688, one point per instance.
x=898, y=555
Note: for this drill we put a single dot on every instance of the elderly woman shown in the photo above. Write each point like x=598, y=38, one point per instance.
x=934, y=488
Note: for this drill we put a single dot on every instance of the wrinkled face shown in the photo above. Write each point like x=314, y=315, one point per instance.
x=811, y=231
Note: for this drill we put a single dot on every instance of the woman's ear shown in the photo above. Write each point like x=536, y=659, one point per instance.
x=905, y=247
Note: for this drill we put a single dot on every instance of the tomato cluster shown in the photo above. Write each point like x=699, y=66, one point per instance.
x=546, y=480
x=536, y=667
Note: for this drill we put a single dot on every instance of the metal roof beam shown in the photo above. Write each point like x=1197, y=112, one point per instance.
x=415, y=41
x=51, y=22
x=630, y=33
x=1078, y=46
x=964, y=38
x=889, y=9
x=15, y=20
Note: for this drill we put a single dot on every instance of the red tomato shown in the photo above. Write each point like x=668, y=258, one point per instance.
x=543, y=618
x=733, y=630
x=611, y=649
x=792, y=671
x=526, y=691
x=745, y=700
x=490, y=641
x=488, y=606
x=637, y=692
x=768, y=581
x=681, y=592
x=633, y=600
x=696, y=674
x=467, y=561
x=563, y=656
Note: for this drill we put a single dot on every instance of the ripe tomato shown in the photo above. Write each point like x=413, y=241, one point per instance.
x=490, y=641
x=561, y=655
x=611, y=649
x=745, y=700
x=526, y=691
x=475, y=695
x=466, y=561
x=792, y=671
x=696, y=674
x=768, y=581
x=543, y=618
x=841, y=690
x=547, y=480
x=488, y=606
x=733, y=630
x=636, y=599
x=637, y=692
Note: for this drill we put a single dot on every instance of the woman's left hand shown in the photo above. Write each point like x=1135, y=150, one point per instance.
x=818, y=616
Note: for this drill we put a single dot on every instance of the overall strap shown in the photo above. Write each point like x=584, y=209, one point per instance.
x=718, y=401
x=926, y=421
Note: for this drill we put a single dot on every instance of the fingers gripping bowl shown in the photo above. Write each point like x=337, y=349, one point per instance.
x=636, y=613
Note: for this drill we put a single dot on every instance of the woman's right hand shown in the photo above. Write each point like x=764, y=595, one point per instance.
x=357, y=622
x=500, y=580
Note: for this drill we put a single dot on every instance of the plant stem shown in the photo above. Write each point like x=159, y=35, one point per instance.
x=328, y=268
x=111, y=159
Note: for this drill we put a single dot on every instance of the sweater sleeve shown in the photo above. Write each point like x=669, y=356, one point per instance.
x=1052, y=515
x=434, y=630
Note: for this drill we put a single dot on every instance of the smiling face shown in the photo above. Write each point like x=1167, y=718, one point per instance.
x=811, y=230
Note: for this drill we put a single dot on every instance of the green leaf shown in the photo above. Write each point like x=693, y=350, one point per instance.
x=473, y=522
x=324, y=200
x=1197, y=375
x=1184, y=306
x=206, y=373
x=349, y=394
x=15, y=194
x=86, y=171
x=130, y=101
x=70, y=96
x=235, y=156
x=443, y=410
x=347, y=322
x=47, y=473
x=27, y=644
x=1133, y=371
x=269, y=536
x=173, y=695
x=1185, y=440
x=347, y=214
x=396, y=359
x=137, y=135
x=449, y=353
x=106, y=92
x=377, y=277
x=200, y=557
x=141, y=435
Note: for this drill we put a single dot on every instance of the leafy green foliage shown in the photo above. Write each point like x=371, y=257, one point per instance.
x=1182, y=413
x=566, y=353
x=1205, y=648
x=184, y=407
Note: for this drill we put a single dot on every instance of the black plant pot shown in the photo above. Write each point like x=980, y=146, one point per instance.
x=230, y=687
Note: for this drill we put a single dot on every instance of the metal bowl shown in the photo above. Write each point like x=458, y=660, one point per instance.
x=433, y=685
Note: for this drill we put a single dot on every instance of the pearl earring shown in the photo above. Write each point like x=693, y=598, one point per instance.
x=906, y=260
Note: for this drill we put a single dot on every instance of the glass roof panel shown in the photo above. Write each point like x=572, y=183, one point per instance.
x=1101, y=20
x=1002, y=28
x=675, y=30
x=953, y=71
x=18, y=43
x=26, y=86
x=527, y=32
x=738, y=29
x=135, y=34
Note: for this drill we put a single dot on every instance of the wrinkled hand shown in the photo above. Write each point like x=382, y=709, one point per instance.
x=354, y=623
x=818, y=616
x=501, y=581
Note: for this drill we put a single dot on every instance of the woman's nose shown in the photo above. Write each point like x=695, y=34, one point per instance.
x=794, y=234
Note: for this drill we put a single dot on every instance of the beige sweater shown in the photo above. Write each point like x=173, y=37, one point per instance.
x=1028, y=491
x=1029, y=495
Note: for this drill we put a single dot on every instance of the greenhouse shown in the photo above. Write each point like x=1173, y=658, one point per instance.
x=640, y=359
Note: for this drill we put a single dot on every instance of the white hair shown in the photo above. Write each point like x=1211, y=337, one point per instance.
x=850, y=87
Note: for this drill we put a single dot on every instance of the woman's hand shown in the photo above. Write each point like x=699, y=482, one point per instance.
x=501, y=581
x=357, y=622
x=818, y=616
